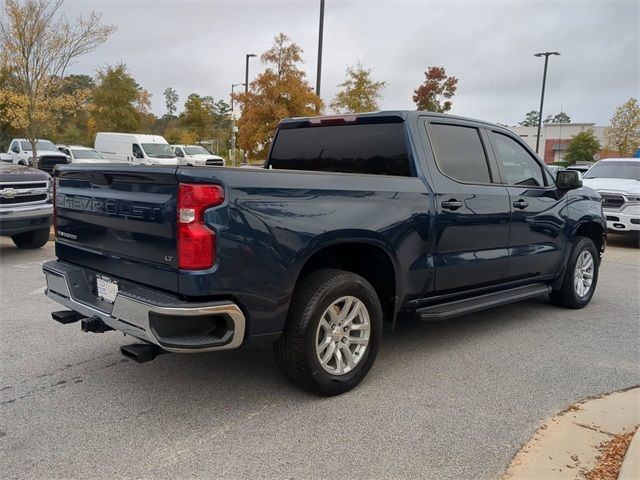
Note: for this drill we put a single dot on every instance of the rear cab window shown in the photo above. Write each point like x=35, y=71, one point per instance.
x=459, y=153
x=371, y=148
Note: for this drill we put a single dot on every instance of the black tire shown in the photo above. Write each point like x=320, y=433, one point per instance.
x=295, y=352
x=566, y=295
x=33, y=239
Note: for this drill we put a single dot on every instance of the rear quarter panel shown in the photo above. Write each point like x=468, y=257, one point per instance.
x=272, y=221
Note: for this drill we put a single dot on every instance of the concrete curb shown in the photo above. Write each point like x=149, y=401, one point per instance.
x=630, y=469
x=567, y=445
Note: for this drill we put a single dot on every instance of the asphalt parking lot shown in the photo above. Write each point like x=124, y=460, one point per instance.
x=444, y=400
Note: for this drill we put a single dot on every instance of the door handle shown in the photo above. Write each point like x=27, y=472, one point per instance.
x=451, y=204
x=521, y=204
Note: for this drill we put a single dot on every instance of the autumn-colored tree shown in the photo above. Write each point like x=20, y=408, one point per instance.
x=63, y=113
x=37, y=43
x=623, y=135
x=435, y=93
x=119, y=102
x=73, y=125
x=582, y=147
x=359, y=92
x=281, y=91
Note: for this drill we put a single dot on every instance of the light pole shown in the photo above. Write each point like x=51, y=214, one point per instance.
x=246, y=84
x=544, y=81
x=233, y=125
x=320, y=35
x=246, y=71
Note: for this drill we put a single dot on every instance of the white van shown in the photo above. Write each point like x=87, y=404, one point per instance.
x=135, y=148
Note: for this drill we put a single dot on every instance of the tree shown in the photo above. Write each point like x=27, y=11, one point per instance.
x=624, y=133
x=557, y=118
x=582, y=147
x=282, y=90
x=197, y=116
x=530, y=119
x=436, y=88
x=171, y=101
x=37, y=44
x=359, y=92
x=74, y=120
x=117, y=100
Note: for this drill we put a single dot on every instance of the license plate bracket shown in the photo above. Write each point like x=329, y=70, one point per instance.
x=106, y=288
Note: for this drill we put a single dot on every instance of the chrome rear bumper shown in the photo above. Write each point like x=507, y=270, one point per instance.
x=134, y=312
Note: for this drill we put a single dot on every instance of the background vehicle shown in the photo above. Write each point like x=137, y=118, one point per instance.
x=580, y=167
x=48, y=155
x=353, y=220
x=554, y=169
x=618, y=182
x=5, y=157
x=196, y=155
x=135, y=148
x=79, y=154
x=25, y=205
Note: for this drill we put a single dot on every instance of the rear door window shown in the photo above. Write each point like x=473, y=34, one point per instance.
x=518, y=166
x=460, y=153
x=377, y=149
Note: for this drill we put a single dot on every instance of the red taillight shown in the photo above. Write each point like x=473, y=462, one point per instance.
x=196, y=242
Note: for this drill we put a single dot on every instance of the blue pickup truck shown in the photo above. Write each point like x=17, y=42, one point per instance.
x=353, y=221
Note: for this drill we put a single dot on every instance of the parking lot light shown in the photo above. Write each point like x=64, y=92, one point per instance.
x=246, y=71
x=544, y=81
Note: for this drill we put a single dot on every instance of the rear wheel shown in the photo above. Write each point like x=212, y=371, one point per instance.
x=33, y=239
x=581, y=275
x=332, y=334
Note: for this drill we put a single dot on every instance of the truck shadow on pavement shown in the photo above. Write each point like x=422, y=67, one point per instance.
x=250, y=374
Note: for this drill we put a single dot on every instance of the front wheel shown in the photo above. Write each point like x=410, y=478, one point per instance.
x=333, y=332
x=581, y=275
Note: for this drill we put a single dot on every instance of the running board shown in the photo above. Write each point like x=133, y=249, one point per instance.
x=454, y=308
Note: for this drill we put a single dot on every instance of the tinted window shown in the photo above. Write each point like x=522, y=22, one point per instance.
x=518, y=165
x=378, y=149
x=459, y=153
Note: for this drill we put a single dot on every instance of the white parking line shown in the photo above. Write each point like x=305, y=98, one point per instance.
x=38, y=290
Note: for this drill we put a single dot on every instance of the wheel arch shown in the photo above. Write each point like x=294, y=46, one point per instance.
x=368, y=257
x=593, y=230
x=590, y=228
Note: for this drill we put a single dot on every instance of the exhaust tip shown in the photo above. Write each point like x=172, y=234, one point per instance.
x=141, y=352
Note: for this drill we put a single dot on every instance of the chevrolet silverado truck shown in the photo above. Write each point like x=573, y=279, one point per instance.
x=25, y=205
x=355, y=221
x=48, y=155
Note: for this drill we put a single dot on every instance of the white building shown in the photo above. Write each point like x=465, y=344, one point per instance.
x=554, y=137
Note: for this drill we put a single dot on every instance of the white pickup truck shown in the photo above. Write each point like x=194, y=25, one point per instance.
x=617, y=180
x=48, y=154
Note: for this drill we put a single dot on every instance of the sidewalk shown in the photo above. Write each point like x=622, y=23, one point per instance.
x=566, y=446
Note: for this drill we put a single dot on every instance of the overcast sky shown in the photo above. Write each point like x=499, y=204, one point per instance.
x=200, y=47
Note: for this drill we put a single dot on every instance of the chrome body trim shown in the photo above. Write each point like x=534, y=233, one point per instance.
x=131, y=316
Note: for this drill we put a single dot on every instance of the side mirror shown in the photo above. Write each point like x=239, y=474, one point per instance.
x=138, y=154
x=179, y=154
x=568, y=179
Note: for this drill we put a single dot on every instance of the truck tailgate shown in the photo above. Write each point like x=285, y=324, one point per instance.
x=120, y=220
